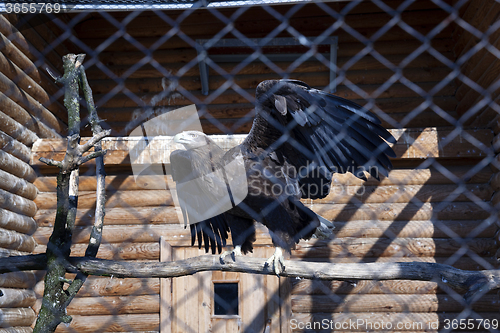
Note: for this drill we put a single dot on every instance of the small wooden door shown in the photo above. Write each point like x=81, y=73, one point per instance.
x=258, y=305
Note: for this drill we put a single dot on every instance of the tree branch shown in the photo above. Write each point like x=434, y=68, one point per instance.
x=474, y=283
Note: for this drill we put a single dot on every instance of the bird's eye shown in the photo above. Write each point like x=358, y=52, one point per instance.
x=193, y=135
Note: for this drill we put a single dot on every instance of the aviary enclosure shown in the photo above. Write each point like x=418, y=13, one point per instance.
x=428, y=69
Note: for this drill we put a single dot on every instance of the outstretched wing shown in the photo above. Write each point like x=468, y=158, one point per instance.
x=197, y=194
x=327, y=134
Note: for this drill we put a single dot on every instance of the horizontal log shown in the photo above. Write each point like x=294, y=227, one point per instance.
x=339, y=247
x=16, y=167
x=385, y=247
x=332, y=212
x=111, y=305
x=401, y=211
x=17, y=222
x=390, y=106
x=130, y=251
x=411, y=143
x=184, y=55
x=116, y=323
x=16, y=241
x=17, y=204
x=27, y=84
x=462, y=263
x=105, y=286
x=16, y=330
x=135, y=215
x=387, y=303
x=361, y=229
x=389, y=287
x=242, y=126
x=340, y=194
x=22, y=280
x=16, y=185
x=397, y=90
x=19, y=114
x=406, y=322
x=17, y=317
x=31, y=105
x=414, y=229
x=396, y=177
x=16, y=298
x=15, y=130
x=22, y=61
x=20, y=41
x=87, y=199
x=368, y=71
x=14, y=147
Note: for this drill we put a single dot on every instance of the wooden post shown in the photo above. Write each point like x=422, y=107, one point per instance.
x=165, y=290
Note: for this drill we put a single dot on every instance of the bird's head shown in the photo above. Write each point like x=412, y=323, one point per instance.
x=191, y=139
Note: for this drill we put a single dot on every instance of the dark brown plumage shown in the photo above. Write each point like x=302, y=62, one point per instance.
x=299, y=138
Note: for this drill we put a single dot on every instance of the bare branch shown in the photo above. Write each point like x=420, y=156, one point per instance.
x=51, y=162
x=475, y=283
x=90, y=156
x=94, y=140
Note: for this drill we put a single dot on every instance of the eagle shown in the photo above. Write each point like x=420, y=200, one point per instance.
x=299, y=138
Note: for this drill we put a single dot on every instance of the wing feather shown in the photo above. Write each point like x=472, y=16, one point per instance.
x=340, y=134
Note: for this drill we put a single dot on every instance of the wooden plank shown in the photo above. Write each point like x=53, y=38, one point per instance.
x=116, y=323
x=132, y=251
x=183, y=55
x=401, y=211
x=464, y=263
x=414, y=322
x=165, y=290
x=97, y=286
x=411, y=143
x=124, y=199
x=367, y=71
x=387, y=303
x=431, y=176
x=413, y=229
x=385, y=247
x=360, y=229
x=111, y=305
x=230, y=96
x=340, y=194
x=118, y=216
x=316, y=287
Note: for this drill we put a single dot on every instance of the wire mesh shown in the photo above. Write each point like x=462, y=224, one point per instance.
x=427, y=69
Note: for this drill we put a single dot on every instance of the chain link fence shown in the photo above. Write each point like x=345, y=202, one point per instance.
x=427, y=69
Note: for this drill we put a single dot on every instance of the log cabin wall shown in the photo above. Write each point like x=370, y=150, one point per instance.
x=407, y=217
x=27, y=113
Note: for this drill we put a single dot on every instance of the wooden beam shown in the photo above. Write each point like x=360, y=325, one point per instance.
x=411, y=144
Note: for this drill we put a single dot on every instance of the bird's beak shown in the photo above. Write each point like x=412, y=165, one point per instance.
x=178, y=138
